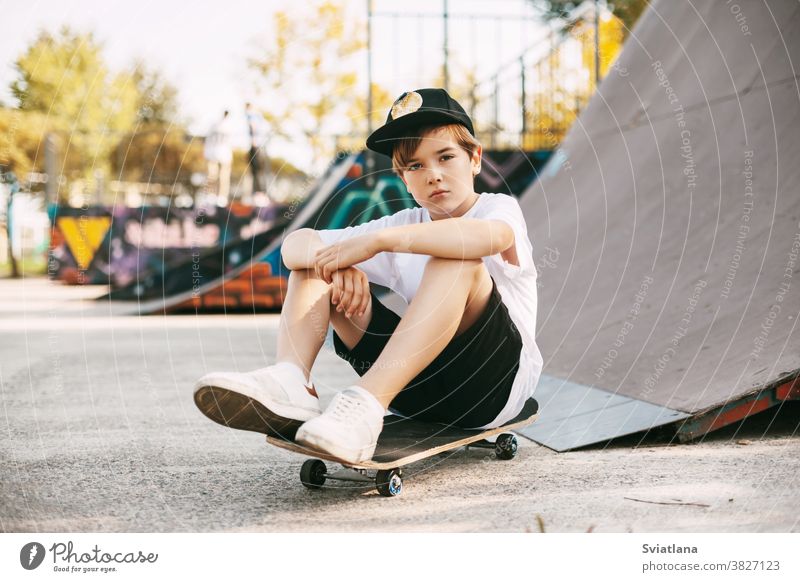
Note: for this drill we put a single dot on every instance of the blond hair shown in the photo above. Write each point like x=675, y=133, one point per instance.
x=404, y=150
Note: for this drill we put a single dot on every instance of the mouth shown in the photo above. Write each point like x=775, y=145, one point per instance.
x=437, y=193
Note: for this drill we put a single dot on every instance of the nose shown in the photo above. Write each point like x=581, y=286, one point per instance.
x=434, y=175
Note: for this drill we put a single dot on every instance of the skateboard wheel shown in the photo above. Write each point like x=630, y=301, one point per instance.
x=312, y=473
x=389, y=483
x=505, y=447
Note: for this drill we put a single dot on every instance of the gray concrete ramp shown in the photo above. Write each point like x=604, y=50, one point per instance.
x=673, y=208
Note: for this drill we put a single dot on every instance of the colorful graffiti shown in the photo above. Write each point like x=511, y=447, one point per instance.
x=101, y=245
x=219, y=278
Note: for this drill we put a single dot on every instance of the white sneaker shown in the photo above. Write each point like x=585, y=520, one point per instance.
x=349, y=427
x=274, y=400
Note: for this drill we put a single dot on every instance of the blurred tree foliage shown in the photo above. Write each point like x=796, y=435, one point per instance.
x=612, y=35
x=307, y=76
x=165, y=155
x=559, y=94
x=381, y=103
x=22, y=140
x=123, y=125
x=22, y=145
x=157, y=101
x=65, y=78
x=628, y=11
x=157, y=153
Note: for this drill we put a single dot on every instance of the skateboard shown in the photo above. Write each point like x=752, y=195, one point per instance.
x=405, y=441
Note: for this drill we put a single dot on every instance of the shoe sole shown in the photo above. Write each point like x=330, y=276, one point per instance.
x=232, y=409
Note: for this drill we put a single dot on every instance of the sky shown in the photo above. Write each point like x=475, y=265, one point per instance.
x=202, y=46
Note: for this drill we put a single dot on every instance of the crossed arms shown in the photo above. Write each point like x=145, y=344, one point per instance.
x=451, y=238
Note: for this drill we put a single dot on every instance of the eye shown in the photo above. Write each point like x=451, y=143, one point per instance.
x=414, y=166
x=448, y=157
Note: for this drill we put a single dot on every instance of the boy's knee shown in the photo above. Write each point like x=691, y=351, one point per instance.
x=471, y=271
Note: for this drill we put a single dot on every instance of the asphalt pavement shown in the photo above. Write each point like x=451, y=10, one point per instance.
x=100, y=433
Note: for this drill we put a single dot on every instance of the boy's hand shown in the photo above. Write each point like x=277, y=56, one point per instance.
x=350, y=293
x=343, y=254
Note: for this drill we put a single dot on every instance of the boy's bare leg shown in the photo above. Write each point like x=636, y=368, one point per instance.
x=452, y=295
x=304, y=319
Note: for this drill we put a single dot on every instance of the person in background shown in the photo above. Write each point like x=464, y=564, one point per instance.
x=218, y=152
x=254, y=129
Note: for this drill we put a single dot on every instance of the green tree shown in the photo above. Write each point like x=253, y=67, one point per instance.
x=22, y=145
x=381, y=103
x=21, y=141
x=612, y=33
x=156, y=149
x=307, y=75
x=64, y=77
x=157, y=153
x=157, y=99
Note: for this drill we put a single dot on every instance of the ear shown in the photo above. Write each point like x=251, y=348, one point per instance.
x=476, y=160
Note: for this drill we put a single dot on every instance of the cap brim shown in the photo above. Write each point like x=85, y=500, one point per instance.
x=386, y=137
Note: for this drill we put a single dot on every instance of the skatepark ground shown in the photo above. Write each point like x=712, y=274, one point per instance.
x=100, y=433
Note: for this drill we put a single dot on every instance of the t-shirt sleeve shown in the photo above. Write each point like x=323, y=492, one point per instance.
x=506, y=208
x=382, y=268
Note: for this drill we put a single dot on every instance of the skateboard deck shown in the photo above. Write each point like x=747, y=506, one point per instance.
x=405, y=440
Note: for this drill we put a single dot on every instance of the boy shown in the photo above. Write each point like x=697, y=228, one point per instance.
x=464, y=353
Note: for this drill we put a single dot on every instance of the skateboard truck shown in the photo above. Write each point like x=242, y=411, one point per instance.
x=505, y=447
x=388, y=482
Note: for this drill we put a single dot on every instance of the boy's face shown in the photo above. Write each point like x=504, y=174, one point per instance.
x=440, y=164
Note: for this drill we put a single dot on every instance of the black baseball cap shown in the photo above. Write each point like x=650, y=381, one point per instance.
x=414, y=109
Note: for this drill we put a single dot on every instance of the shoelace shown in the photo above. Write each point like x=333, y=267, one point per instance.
x=346, y=408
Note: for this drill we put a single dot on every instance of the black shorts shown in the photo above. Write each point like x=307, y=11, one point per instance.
x=467, y=384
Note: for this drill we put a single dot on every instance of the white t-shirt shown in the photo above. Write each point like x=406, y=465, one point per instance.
x=402, y=273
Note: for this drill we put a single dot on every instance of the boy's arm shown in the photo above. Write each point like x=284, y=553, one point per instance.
x=299, y=248
x=449, y=238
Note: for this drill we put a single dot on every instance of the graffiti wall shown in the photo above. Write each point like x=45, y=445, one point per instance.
x=102, y=245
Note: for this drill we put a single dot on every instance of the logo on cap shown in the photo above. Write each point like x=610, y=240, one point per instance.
x=408, y=103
